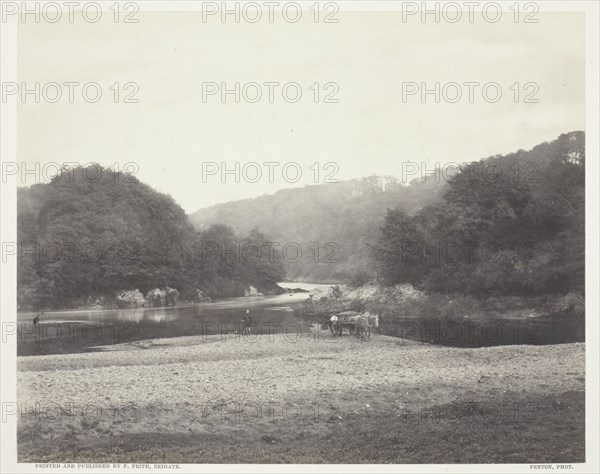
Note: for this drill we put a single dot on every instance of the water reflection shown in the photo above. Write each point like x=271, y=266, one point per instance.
x=272, y=314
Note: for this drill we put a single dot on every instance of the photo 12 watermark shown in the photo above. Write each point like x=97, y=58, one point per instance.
x=50, y=12
x=270, y=92
x=68, y=172
x=70, y=92
x=469, y=92
x=472, y=12
x=268, y=171
x=257, y=12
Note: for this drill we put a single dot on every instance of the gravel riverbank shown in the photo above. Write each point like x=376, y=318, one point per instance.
x=291, y=399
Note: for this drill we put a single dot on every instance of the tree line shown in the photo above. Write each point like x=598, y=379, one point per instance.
x=508, y=224
x=82, y=238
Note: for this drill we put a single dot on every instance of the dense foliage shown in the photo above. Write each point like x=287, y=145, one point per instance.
x=332, y=224
x=92, y=231
x=512, y=224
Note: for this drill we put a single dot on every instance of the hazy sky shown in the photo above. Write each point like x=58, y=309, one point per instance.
x=371, y=130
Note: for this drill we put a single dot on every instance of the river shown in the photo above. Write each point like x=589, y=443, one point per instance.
x=61, y=332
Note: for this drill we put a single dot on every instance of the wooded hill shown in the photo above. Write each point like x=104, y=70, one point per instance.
x=91, y=232
x=527, y=206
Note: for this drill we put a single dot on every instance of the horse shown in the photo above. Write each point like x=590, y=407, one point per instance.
x=358, y=324
x=364, y=323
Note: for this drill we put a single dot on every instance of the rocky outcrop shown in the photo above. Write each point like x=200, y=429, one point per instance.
x=159, y=297
x=129, y=298
x=337, y=298
x=156, y=297
x=251, y=291
x=172, y=297
x=198, y=296
x=295, y=290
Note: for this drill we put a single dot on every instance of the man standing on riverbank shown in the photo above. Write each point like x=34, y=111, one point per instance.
x=247, y=322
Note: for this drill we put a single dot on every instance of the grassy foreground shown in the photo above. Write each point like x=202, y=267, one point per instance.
x=304, y=399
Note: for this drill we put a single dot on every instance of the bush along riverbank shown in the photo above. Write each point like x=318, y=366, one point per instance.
x=456, y=320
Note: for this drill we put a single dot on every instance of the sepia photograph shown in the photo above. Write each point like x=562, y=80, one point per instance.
x=325, y=236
